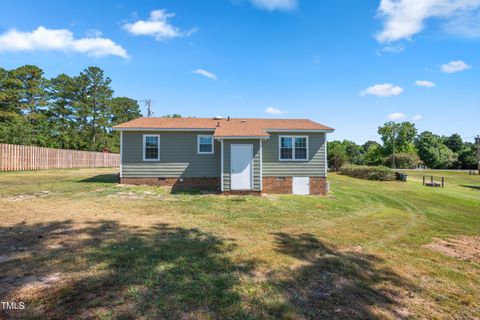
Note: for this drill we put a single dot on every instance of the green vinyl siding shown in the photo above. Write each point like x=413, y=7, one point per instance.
x=256, y=162
x=313, y=167
x=178, y=156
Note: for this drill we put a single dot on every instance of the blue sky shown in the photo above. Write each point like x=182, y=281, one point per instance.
x=349, y=64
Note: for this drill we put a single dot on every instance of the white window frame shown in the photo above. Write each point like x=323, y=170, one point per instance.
x=293, y=148
x=198, y=143
x=145, y=136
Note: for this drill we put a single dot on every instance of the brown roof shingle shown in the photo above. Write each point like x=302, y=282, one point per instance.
x=233, y=127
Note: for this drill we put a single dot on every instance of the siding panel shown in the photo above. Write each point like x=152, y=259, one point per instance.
x=314, y=167
x=178, y=156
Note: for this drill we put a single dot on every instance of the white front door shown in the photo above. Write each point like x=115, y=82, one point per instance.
x=241, y=166
x=301, y=185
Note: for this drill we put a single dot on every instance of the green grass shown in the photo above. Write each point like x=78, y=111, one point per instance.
x=75, y=244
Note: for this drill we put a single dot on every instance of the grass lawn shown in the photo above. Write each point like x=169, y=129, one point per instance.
x=74, y=244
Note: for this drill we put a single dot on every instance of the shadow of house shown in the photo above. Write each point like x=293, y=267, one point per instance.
x=337, y=284
x=196, y=186
x=102, y=178
x=128, y=272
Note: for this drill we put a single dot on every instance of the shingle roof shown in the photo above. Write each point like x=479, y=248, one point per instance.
x=233, y=127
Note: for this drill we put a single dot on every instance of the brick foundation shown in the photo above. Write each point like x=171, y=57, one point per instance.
x=280, y=185
x=283, y=185
x=318, y=186
x=177, y=184
x=277, y=185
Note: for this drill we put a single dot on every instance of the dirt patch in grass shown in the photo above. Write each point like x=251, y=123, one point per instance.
x=27, y=196
x=463, y=247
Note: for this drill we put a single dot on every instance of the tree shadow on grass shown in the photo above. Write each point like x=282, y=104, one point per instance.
x=105, y=269
x=333, y=284
x=102, y=178
x=471, y=187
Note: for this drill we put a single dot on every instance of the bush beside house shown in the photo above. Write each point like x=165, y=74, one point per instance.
x=379, y=173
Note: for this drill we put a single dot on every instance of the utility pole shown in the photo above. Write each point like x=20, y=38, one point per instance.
x=148, y=105
x=393, y=147
x=477, y=141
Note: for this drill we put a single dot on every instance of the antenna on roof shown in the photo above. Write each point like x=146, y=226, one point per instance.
x=148, y=105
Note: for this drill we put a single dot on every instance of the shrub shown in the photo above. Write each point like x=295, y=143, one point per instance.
x=379, y=173
x=403, y=160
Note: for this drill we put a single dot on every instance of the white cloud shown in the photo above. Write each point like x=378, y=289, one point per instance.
x=43, y=39
x=273, y=110
x=455, y=66
x=157, y=26
x=417, y=117
x=397, y=116
x=206, y=73
x=425, y=83
x=405, y=18
x=382, y=90
x=94, y=33
x=394, y=48
x=465, y=25
x=271, y=5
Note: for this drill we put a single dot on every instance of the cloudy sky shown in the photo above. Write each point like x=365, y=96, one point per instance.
x=349, y=64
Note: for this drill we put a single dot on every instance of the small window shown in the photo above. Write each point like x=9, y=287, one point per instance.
x=293, y=148
x=151, y=147
x=205, y=144
x=301, y=148
x=286, y=148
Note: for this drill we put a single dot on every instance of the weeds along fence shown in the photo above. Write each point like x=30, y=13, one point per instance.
x=17, y=158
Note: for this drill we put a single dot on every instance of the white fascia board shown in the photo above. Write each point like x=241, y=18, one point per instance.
x=300, y=131
x=161, y=129
x=241, y=138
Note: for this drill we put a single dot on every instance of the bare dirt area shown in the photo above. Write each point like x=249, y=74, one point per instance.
x=463, y=247
x=27, y=196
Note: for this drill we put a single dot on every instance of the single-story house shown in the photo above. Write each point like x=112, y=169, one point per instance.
x=231, y=155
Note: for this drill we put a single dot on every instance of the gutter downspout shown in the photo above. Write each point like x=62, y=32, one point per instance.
x=326, y=158
x=261, y=166
x=221, y=165
x=121, y=154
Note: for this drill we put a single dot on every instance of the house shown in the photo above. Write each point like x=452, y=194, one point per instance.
x=231, y=155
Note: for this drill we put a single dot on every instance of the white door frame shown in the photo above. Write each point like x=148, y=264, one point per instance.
x=231, y=165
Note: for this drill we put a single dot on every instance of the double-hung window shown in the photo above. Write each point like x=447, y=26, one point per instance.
x=293, y=148
x=151, y=147
x=205, y=144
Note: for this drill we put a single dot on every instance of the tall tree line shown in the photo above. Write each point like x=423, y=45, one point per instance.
x=403, y=147
x=63, y=112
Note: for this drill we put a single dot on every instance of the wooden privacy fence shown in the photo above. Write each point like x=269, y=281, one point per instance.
x=16, y=157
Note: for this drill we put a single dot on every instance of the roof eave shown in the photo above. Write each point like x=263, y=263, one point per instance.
x=241, y=137
x=330, y=130
x=163, y=129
